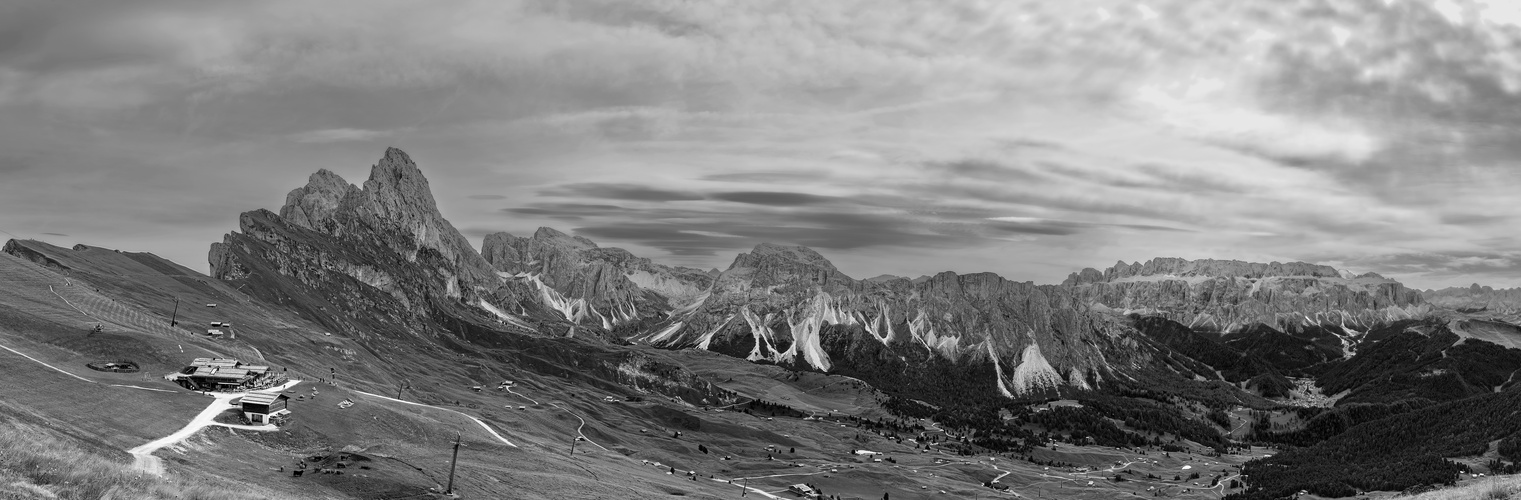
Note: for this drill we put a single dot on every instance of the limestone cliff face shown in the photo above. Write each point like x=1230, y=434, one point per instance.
x=395, y=199
x=1229, y=295
x=1475, y=298
x=790, y=305
x=601, y=286
x=383, y=250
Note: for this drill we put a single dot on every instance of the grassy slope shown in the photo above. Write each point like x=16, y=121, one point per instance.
x=38, y=462
x=409, y=446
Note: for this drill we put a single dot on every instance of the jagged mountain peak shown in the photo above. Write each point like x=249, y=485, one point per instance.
x=395, y=209
x=774, y=252
x=312, y=206
x=587, y=283
x=1210, y=268
x=1227, y=295
x=552, y=235
x=398, y=188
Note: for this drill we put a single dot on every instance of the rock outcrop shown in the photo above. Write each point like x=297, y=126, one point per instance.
x=383, y=252
x=609, y=287
x=791, y=306
x=1227, y=296
x=1475, y=298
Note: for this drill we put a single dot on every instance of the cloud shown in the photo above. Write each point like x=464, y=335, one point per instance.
x=1453, y=268
x=609, y=191
x=772, y=198
x=567, y=209
x=1461, y=219
x=1203, y=109
x=12, y=164
x=1032, y=225
x=886, y=133
x=767, y=177
x=331, y=135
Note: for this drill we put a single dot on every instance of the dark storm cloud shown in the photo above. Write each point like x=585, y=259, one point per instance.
x=772, y=198
x=632, y=192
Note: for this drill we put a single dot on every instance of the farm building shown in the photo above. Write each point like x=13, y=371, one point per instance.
x=258, y=407
x=221, y=374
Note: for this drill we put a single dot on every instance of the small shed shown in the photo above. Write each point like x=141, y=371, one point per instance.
x=801, y=489
x=260, y=406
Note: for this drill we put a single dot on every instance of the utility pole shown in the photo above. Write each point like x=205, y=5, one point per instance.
x=173, y=318
x=452, y=462
x=572, y=446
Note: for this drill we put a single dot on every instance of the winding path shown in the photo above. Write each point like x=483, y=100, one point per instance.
x=579, y=427
x=43, y=363
x=562, y=408
x=142, y=456
x=476, y=420
x=515, y=393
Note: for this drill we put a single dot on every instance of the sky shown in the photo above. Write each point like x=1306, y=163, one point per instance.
x=1031, y=139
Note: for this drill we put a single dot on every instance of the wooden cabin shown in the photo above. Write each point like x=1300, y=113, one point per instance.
x=217, y=374
x=258, y=407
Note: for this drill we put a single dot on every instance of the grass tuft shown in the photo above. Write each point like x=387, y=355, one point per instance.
x=38, y=463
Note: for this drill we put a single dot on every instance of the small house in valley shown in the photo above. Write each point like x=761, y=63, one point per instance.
x=259, y=407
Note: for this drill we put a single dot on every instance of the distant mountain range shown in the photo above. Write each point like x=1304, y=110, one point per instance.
x=380, y=264
x=385, y=248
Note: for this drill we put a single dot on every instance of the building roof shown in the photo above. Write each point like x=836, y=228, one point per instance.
x=262, y=398
x=255, y=368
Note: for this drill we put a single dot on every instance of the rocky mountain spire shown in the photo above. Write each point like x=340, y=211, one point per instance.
x=396, y=197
